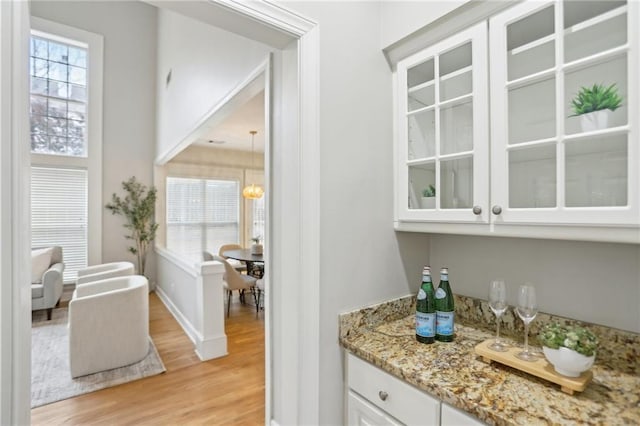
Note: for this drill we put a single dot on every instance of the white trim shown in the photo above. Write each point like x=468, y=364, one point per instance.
x=15, y=297
x=176, y=260
x=93, y=161
x=186, y=325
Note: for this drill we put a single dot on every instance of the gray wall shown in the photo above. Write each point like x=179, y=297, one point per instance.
x=129, y=30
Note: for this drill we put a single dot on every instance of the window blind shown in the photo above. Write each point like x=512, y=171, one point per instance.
x=202, y=214
x=59, y=214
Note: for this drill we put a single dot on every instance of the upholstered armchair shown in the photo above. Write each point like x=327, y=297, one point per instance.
x=46, y=278
x=104, y=271
x=108, y=324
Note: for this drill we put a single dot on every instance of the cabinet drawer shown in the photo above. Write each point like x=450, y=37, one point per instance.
x=403, y=401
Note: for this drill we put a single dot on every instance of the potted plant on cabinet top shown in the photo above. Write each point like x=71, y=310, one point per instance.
x=571, y=350
x=595, y=104
x=429, y=198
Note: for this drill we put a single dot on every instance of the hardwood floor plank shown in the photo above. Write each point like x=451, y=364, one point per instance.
x=224, y=391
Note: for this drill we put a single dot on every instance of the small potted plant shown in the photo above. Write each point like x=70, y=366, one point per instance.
x=256, y=247
x=429, y=198
x=571, y=350
x=595, y=104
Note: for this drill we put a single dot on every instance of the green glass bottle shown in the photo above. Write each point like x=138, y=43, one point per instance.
x=444, y=308
x=426, y=309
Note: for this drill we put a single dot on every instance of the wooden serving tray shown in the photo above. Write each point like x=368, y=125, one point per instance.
x=540, y=368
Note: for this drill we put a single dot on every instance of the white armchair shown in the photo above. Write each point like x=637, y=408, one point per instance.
x=104, y=271
x=108, y=324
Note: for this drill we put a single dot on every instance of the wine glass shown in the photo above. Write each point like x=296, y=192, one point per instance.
x=527, y=310
x=498, y=304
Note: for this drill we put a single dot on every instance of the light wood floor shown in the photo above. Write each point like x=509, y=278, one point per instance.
x=224, y=391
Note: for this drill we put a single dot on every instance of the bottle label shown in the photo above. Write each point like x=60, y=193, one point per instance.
x=444, y=323
x=426, y=278
x=440, y=293
x=444, y=277
x=425, y=324
x=421, y=294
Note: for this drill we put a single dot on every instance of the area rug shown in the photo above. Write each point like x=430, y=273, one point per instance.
x=50, y=377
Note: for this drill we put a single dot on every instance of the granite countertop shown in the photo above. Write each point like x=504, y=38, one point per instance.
x=496, y=394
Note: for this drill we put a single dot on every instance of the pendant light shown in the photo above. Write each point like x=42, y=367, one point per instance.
x=252, y=191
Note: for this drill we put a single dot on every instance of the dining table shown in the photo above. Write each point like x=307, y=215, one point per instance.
x=254, y=262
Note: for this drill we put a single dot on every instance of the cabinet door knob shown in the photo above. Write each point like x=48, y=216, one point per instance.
x=477, y=210
x=496, y=210
x=383, y=395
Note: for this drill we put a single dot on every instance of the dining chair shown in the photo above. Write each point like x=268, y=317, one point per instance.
x=260, y=291
x=238, y=265
x=234, y=280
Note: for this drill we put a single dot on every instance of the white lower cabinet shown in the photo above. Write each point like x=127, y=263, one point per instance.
x=375, y=397
x=450, y=416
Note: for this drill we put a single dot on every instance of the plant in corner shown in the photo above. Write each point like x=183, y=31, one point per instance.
x=138, y=207
x=429, y=192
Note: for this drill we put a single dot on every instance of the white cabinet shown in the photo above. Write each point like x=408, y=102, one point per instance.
x=375, y=397
x=443, y=130
x=450, y=416
x=550, y=175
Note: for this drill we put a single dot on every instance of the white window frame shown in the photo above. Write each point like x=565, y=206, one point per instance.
x=93, y=161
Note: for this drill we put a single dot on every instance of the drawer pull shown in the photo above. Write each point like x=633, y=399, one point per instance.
x=383, y=395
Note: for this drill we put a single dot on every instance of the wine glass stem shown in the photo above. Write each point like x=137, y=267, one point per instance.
x=526, y=337
x=498, y=329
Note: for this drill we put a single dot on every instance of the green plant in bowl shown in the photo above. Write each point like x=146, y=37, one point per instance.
x=578, y=339
x=571, y=350
x=596, y=98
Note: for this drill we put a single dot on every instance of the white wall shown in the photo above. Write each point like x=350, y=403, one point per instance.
x=401, y=18
x=360, y=261
x=206, y=63
x=129, y=30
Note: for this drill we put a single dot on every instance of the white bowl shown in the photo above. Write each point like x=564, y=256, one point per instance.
x=568, y=362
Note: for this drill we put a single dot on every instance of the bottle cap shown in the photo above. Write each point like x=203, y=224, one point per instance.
x=444, y=270
x=426, y=269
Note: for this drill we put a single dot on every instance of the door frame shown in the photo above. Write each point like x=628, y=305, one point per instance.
x=295, y=390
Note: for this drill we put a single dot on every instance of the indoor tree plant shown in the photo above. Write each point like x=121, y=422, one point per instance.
x=138, y=207
x=594, y=105
x=571, y=349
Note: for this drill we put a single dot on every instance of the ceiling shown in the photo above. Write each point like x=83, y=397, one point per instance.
x=234, y=129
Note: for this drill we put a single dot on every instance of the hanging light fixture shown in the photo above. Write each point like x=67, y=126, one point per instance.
x=252, y=191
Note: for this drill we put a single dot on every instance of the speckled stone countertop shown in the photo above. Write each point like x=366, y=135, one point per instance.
x=496, y=394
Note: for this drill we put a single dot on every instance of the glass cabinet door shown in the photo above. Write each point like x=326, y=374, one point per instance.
x=442, y=152
x=555, y=159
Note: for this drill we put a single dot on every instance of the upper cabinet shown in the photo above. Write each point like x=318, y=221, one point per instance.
x=443, y=130
x=556, y=171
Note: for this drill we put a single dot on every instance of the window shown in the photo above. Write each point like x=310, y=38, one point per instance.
x=202, y=214
x=65, y=71
x=58, y=97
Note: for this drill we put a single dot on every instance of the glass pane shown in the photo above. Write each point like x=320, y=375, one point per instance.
x=456, y=183
x=78, y=76
x=596, y=172
x=40, y=68
x=532, y=177
x=58, y=89
x=532, y=112
x=39, y=48
x=57, y=108
x=422, y=184
x=38, y=85
x=455, y=72
x=592, y=27
x=420, y=73
x=77, y=111
x=605, y=74
x=422, y=97
x=56, y=126
x=38, y=105
x=456, y=85
x=57, y=71
x=58, y=52
x=78, y=57
x=456, y=128
x=530, y=44
x=422, y=134
x=78, y=93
